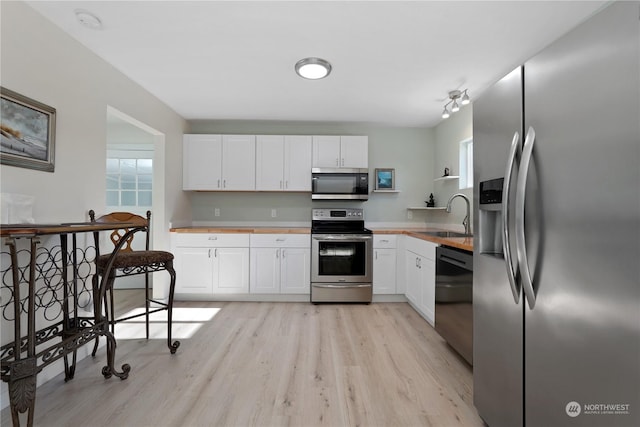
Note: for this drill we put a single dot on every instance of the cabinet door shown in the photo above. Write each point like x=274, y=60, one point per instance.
x=326, y=151
x=194, y=270
x=428, y=295
x=384, y=271
x=354, y=151
x=297, y=163
x=239, y=162
x=296, y=271
x=413, y=277
x=265, y=271
x=231, y=271
x=202, y=162
x=270, y=162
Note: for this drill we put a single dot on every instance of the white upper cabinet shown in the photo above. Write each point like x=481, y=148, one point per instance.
x=354, y=151
x=238, y=162
x=297, y=163
x=283, y=163
x=219, y=162
x=269, y=162
x=340, y=151
x=202, y=162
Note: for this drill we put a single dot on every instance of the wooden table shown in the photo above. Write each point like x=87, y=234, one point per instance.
x=22, y=359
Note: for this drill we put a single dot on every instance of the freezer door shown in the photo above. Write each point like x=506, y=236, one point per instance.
x=582, y=337
x=497, y=317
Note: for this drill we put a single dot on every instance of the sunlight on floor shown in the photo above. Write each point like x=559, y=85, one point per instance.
x=186, y=322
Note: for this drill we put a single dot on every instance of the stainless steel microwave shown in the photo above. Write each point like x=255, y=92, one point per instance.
x=339, y=184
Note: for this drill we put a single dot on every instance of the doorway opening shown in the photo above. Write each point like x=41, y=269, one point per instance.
x=135, y=177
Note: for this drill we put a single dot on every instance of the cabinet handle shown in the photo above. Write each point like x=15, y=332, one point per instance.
x=417, y=263
x=209, y=253
x=280, y=240
x=277, y=253
x=337, y=162
x=342, y=161
x=213, y=238
x=286, y=184
x=376, y=254
x=384, y=241
x=283, y=251
x=218, y=183
x=224, y=183
x=281, y=185
x=215, y=253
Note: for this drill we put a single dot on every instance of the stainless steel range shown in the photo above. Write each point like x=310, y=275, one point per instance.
x=341, y=256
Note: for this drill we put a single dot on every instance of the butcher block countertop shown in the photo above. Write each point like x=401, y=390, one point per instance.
x=242, y=230
x=465, y=243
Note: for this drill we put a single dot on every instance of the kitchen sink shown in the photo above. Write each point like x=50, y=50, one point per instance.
x=445, y=234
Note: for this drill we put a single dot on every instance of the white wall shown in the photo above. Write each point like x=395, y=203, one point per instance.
x=449, y=133
x=40, y=61
x=51, y=67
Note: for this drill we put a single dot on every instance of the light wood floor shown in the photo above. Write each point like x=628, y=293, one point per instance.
x=270, y=364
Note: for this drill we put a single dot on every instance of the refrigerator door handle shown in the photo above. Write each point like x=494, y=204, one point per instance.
x=512, y=272
x=523, y=262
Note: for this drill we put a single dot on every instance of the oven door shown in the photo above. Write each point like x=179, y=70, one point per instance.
x=341, y=258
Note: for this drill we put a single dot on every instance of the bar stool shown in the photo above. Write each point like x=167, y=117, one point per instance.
x=129, y=262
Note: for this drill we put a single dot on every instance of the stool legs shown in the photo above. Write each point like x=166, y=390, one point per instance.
x=172, y=346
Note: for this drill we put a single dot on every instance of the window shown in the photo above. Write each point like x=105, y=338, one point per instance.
x=466, y=164
x=129, y=181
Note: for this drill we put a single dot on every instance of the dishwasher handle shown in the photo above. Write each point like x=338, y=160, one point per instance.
x=457, y=258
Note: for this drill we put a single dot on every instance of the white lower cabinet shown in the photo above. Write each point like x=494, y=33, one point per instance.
x=420, y=276
x=384, y=264
x=280, y=264
x=211, y=263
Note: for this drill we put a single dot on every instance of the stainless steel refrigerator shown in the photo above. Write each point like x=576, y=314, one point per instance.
x=556, y=288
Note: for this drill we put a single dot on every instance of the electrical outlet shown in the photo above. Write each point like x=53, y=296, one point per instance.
x=409, y=215
x=274, y=213
x=216, y=212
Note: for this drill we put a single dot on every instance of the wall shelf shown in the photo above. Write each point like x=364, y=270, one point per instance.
x=447, y=178
x=386, y=191
x=420, y=208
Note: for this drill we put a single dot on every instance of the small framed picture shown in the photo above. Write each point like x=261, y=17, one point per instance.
x=27, y=132
x=385, y=179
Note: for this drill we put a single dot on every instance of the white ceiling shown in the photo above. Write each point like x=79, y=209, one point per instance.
x=393, y=61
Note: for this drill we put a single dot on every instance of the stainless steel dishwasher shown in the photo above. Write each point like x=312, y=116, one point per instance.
x=454, y=299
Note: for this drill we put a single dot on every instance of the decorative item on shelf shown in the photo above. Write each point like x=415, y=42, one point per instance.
x=446, y=172
x=385, y=179
x=454, y=95
x=431, y=203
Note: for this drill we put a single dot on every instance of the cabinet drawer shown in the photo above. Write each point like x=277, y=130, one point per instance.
x=421, y=247
x=211, y=240
x=384, y=241
x=280, y=241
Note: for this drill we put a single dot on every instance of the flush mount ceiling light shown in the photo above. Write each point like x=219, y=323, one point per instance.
x=313, y=68
x=88, y=19
x=454, y=95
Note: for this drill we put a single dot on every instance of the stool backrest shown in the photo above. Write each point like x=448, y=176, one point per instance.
x=117, y=235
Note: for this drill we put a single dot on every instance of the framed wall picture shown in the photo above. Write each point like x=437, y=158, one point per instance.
x=385, y=179
x=27, y=132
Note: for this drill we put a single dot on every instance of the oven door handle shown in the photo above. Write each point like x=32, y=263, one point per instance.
x=343, y=237
x=346, y=285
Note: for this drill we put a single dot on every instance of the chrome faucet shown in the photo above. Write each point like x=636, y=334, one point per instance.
x=466, y=220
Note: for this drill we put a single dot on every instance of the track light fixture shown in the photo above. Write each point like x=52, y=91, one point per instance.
x=454, y=95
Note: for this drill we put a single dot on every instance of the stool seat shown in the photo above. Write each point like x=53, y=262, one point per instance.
x=134, y=259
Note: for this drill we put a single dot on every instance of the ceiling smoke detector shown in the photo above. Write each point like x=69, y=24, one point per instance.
x=88, y=19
